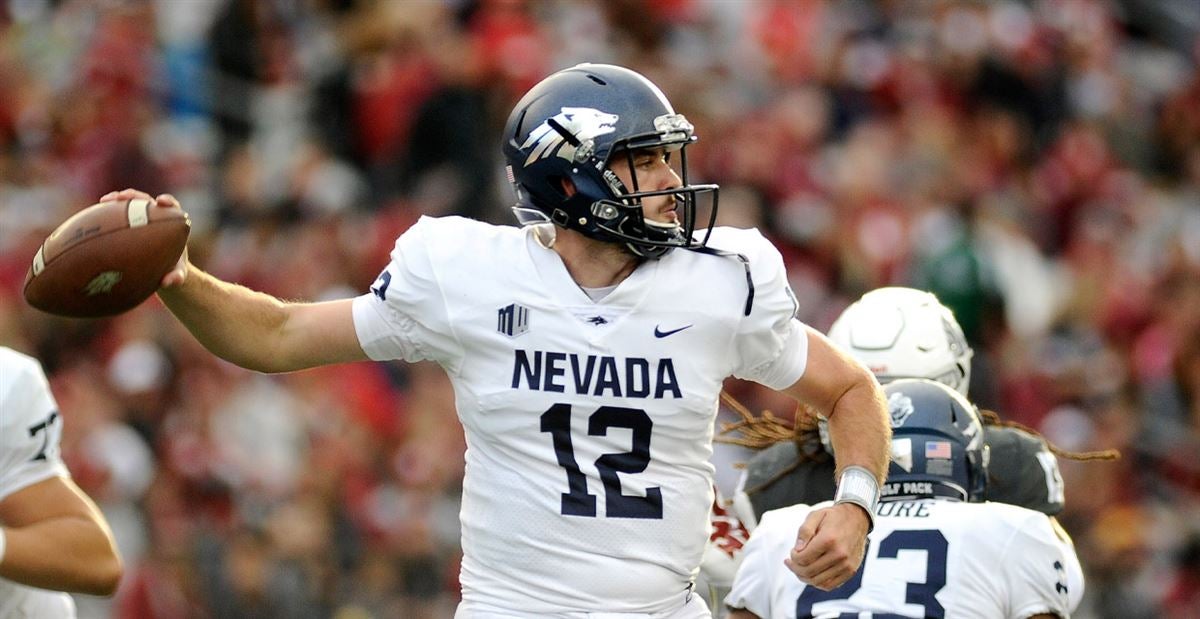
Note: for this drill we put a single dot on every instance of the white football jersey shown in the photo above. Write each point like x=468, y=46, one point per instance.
x=588, y=424
x=30, y=428
x=925, y=558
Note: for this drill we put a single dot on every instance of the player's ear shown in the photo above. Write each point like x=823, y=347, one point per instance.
x=568, y=186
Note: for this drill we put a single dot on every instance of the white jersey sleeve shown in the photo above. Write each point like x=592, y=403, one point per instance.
x=33, y=603
x=404, y=316
x=30, y=426
x=30, y=429
x=771, y=346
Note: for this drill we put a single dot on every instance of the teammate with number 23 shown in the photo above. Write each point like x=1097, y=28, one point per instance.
x=940, y=550
x=587, y=350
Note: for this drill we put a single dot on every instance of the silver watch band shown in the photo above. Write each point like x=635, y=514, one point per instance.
x=857, y=485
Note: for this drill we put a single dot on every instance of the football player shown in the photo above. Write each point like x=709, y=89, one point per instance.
x=52, y=537
x=906, y=333
x=936, y=550
x=587, y=351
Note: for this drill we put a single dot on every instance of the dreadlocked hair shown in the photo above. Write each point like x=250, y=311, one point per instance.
x=991, y=418
x=759, y=432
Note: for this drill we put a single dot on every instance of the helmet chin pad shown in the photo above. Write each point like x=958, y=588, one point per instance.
x=643, y=237
x=670, y=227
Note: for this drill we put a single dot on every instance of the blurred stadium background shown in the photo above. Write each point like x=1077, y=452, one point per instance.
x=1036, y=164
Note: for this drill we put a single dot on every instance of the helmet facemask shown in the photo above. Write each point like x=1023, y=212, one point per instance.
x=622, y=218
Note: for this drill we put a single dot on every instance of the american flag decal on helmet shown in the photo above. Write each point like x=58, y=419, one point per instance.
x=512, y=320
x=938, y=449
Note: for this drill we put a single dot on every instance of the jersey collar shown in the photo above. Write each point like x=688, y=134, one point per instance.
x=559, y=285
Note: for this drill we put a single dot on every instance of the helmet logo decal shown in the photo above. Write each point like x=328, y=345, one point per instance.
x=584, y=123
x=900, y=407
x=938, y=449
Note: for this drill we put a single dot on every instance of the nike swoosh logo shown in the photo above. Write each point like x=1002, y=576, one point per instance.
x=660, y=334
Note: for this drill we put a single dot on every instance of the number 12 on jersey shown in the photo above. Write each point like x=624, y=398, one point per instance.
x=577, y=501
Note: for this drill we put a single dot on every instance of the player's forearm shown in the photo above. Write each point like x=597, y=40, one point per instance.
x=233, y=322
x=69, y=553
x=859, y=429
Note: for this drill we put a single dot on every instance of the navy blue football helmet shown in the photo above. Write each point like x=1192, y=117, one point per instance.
x=937, y=444
x=571, y=126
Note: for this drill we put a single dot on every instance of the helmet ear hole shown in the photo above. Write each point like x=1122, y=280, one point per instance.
x=564, y=185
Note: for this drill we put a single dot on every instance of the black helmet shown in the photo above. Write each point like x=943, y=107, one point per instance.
x=570, y=126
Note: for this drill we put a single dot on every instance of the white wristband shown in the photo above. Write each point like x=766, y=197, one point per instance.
x=857, y=485
x=2, y=542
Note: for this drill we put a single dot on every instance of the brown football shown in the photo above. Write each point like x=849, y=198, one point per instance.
x=106, y=259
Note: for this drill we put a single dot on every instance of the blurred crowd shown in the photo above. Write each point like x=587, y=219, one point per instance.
x=1035, y=164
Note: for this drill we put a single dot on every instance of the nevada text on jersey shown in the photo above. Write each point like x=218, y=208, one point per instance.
x=595, y=375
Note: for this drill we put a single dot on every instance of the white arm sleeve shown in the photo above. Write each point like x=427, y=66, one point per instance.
x=30, y=425
x=771, y=345
x=405, y=316
x=1037, y=572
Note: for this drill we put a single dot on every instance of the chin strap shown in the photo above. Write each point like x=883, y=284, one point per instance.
x=745, y=265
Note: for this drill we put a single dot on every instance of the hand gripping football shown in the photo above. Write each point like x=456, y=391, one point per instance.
x=106, y=259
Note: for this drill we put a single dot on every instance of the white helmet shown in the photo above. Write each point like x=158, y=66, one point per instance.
x=905, y=333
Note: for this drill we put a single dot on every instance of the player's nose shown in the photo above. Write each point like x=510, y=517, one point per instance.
x=667, y=177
